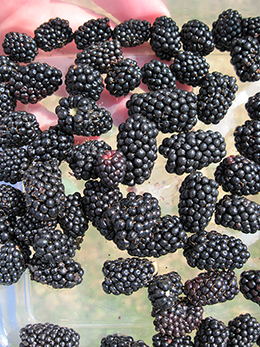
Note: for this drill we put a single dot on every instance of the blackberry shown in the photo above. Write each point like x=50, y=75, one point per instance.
x=44, y=190
x=126, y=276
x=136, y=139
x=249, y=285
x=7, y=68
x=92, y=31
x=20, y=47
x=251, y=27
x=162, y=340
x=197, y=200
x=82, y=79
x=226, y=28
x=215, y=97
x=164, y=290
x=7, y=100
x=238, y=175
x=252, y=106
x=12, y=200
x=194, y=150
x=165, y=37
x=189, y=68
x=7, y=223
x=132, y=32
x=18, y=128
x=34, y=82
x=211, y=333
x=56, y=33
x=101, y=55
x=244, y=330
x=215, y=251
x=116, y=340
x=82, y=158
x=42, y=334
x=211, y=287
x=122, y=77
x=238, y=213
x=171, y=110
x=197, y=37
x=157, y=75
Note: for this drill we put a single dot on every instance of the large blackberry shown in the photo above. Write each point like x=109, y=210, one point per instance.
x=215, y=97
x=7, y=68
x=171, y=110
x=194, y=150
x=116, y=340
x=251, y=27
x=127, y=275
x=197, y=200
x=12, y=200
x=136, y=139
x=238, y=175
x=252, y=106
x=249, y=285
x=165, y=37
x=211, y=287
x=7, y=99
x=56, y=33
x=211, y=333
x=132, y=32
x=162, y=340
x=215, y=251
x=20, y=47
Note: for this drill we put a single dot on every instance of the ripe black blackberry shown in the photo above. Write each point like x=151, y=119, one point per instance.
x=211, y=333
x=165, y=37
x=132, y=32
x=127, y=275
x=252, y=106
x=35, y=81
x=81, y=116
x=211, y=287
x=83, y=79
x=12, y=200
x=189, y=68
x=215, y=97
x=7, y=99
x=194, y=150
x=157, y=75
x=101, y=55
x=7, y=68
x=162, y=340
x=7, y=225
x=215, y=251
x=53, y=34
x=136, y=139
x=251, y=27
x=92, y=31
x=238, y=175
x=42, y=334
x=244, y=331
x=171, y=110
x=82, y=158
x=20, y=47
x=197, y=37
x=116, y=340
x=226, y=28
x=164, y=290
x=197, y=200
x=249, y=285
x=238, y=213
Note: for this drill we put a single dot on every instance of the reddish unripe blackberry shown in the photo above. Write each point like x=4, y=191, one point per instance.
x=252, y=106
x=162, y=340
x=7, y=68
x=250, y=285
x=211, y=333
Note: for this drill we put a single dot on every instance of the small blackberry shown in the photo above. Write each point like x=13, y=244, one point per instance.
x=126, y=276
x=132, y=32
x=56, y=33
x=249, y=285
x=92, y=31
x=7, y=68
x=20, y=47
x=251, y=27
x=211, y=333
x=252, y=106
x=238, y=175
x=211, y=287
x=12, y=200
x=116, y=340
x=194, y=150
x=165, y=37
x=7, y=99
x=162, y=340
x=197, y=200
x=157, y=75
x=7, y=225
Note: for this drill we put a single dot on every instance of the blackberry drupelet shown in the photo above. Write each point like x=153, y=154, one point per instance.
x=165, y=37
x=197, y=200
x=252, y=106
x=136, y=139
x=189, y=68
x=12, y=200
x=83, y=79
x=211, y=333
x=211, y=287
x=215, y=251
x=215, y=97
x=162, y=340
x=194, y=150
x=7, y=99
x=92, y=31
x=132, y=32
x=238, y=175
x=157, y=75
x=197, y=37
x=7, y=68
x=53, y=34
x=20, y=47
x=249, y=285
x=251, y=27
x=116, y=340
x=238, y=213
